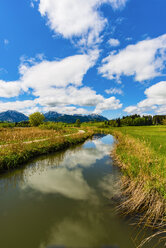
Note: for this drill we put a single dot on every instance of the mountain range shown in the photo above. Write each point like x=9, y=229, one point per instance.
x=15, y=116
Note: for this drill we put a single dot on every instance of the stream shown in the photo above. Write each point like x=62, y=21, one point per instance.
x=67, y=200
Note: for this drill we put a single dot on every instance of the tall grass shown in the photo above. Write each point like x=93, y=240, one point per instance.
x=14, y=155
x=17, y=135
x=138, y=152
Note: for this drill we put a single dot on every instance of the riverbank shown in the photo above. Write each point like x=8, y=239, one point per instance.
x=140, y=153
x=144, y=181
x=13, y=155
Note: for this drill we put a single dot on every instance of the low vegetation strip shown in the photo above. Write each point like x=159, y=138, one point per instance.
x=25, y=134
x=39, y=140
x=14, y=155
x=144, y=167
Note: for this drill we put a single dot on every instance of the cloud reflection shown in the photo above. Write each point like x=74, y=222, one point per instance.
x=69, y=183
x=65, y=176
x=85, y=231
x=86, y=157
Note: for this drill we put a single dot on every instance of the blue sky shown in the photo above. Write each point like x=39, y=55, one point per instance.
x=83, y=56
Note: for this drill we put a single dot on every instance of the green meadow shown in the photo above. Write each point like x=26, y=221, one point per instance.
x=155, y=136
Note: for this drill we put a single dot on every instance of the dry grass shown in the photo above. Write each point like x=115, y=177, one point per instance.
x=19, y=135
x=149, y=203
x=17, y=152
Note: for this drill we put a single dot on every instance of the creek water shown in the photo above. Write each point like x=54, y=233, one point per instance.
x=66, y=200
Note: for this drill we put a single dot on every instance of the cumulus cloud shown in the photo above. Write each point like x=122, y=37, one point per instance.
x=108, y=104
x=114, y=42
x=114, y=91
x=77, y=17
x=9, y=89
x=144, y=60
x=70, y=110
x=83, y=96
x=26, y=106
x=45, y=74
x=56, y=85
x=155, y=101
x=42, y=77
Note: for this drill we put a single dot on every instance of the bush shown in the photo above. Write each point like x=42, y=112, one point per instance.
x=7, y=124
x=164, y=122
x=22, y=124
x=78, y=123
x=36, y=119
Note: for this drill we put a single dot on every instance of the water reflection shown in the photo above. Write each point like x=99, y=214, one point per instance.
x=81, y=232
x=69, y=183
x=110, y=186
x=80, y=156
x=64, y=199
x=66, y=176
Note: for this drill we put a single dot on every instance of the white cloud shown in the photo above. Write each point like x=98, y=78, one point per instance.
x=83, y=96
x=70, y=110
x=77, y=17
x=108, y=104
x=114, y=42
x=45, y=74
x=9, y=89
x=116, y=4
x=114, y=91
x=144, y=60
x=155, y=101
x=57, y=86
x=27, y=106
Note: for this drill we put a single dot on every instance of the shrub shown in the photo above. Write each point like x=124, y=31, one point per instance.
x=36, y=119
x=78, y=123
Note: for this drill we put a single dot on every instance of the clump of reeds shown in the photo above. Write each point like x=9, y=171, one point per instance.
x=149, y=203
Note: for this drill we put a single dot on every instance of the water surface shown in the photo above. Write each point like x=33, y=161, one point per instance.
x=66, y=199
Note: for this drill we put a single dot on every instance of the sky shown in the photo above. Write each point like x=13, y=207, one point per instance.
x=103, y=57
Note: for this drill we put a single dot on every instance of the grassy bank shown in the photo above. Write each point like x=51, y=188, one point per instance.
x=18, y=135
x=16, y=151
x=140, y=152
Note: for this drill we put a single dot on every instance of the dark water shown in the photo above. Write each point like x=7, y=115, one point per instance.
x=64, y=199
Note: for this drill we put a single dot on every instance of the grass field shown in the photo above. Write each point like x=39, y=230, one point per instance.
x=143, y=151
x=155, y=136
x=18, y=145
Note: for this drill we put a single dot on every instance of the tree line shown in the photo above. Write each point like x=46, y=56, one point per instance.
x=137, y=120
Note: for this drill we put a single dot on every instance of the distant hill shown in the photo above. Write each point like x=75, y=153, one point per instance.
x=54, y=116
x=14, y=116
